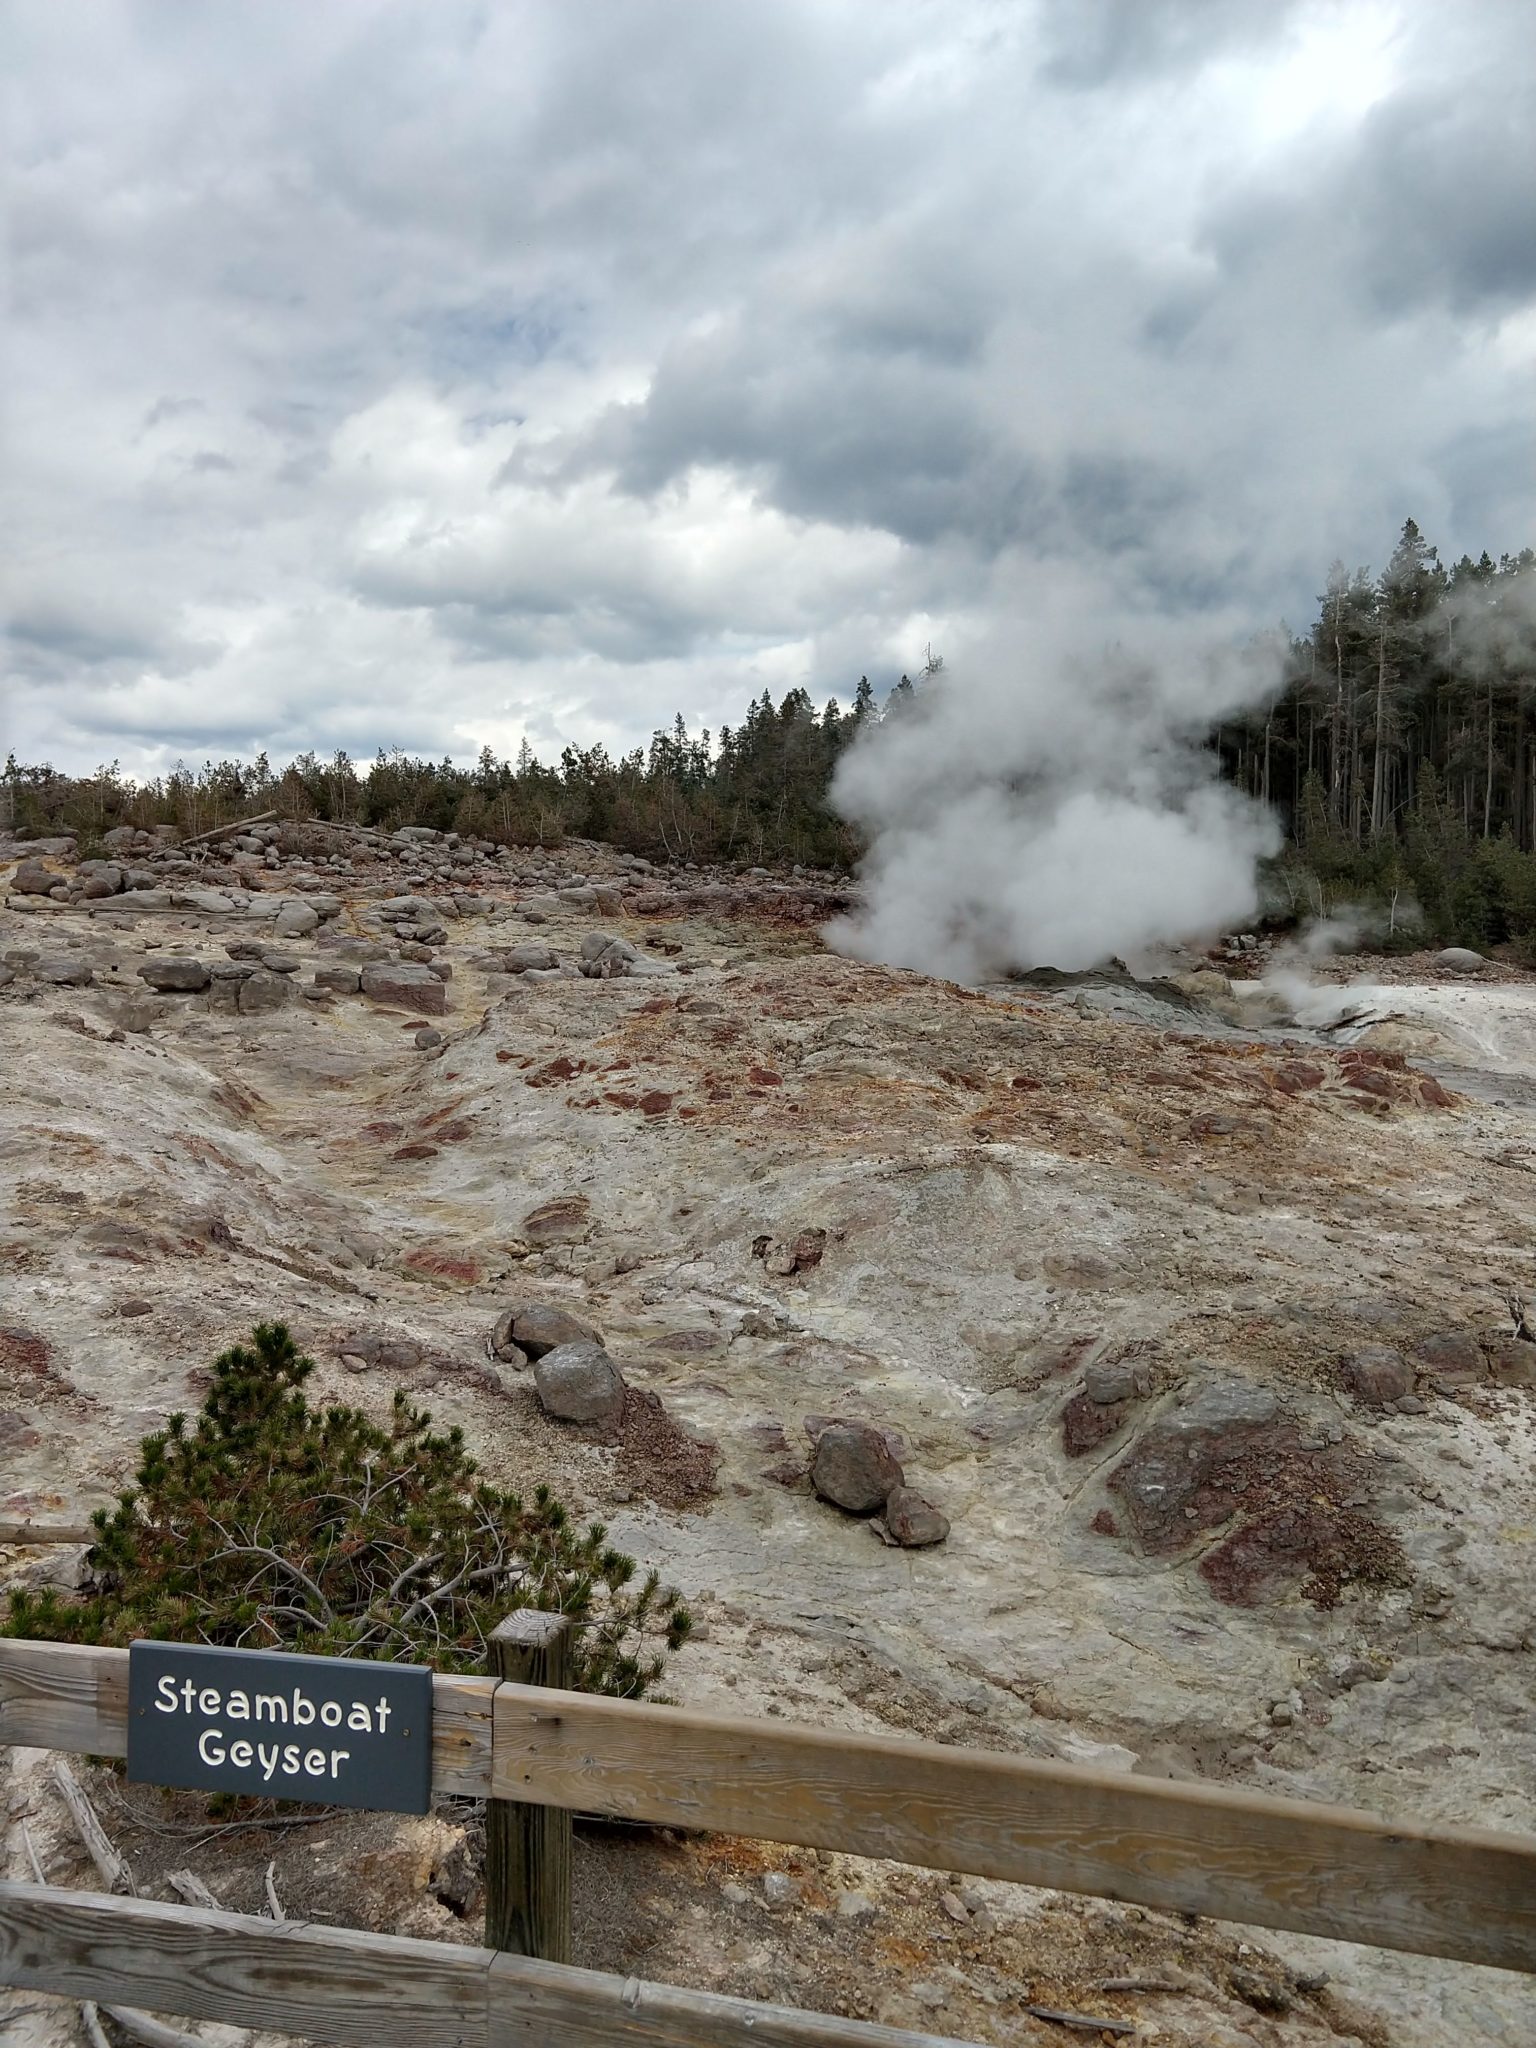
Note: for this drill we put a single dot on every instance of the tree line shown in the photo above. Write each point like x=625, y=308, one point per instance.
x=1399, y=748
x=753, y=794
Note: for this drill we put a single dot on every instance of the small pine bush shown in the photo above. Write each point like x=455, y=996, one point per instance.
x=270, y=1524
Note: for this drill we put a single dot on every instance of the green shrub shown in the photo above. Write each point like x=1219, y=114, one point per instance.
x=269, y=1524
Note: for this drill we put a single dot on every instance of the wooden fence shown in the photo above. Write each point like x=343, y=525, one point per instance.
x=1462, y=1893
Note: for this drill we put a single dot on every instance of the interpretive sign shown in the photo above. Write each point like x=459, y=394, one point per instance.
x=337, y=1730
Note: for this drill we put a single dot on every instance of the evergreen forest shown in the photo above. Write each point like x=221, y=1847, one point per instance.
x=1399, y=749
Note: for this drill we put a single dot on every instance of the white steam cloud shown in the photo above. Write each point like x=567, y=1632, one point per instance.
x=1040, y=806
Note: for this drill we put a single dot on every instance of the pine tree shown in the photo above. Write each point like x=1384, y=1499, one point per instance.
x=271, y=1524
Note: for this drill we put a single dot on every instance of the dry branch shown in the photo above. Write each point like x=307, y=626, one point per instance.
x=189, y=1886
x=113, y=1868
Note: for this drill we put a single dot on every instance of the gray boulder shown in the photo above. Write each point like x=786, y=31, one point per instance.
x=580, y=1383
x=262, y=992
x=343, y=981
x=518, y=959
x=295, y=920
x=1108, y=1380
x=1460, y=960
x=854, y=1467
x=405, y=987
x=174, y=976
x=65, y=970
x=33, y=879
x=534, y=1329
x=409, y=909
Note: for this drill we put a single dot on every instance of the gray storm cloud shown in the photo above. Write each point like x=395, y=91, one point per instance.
x=1049, y=803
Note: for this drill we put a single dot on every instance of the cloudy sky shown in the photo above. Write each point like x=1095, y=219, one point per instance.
x=429, y=373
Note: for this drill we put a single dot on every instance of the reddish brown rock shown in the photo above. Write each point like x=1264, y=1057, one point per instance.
x=913, y=1521
x=1376, y=1375
x=1451, y=1355
x=1086, y=1423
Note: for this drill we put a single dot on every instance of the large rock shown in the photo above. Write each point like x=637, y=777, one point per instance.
x=535, y=1328
x=912, y=1520
x=342, y=981
x=606, y=959
x=1376, y=1375
x=580, y=1383
x=854, y=1467
x=262, y=992
x=65, y=970
x=1172, y=1466
x=565, y=1220
x=409, y=909
x=295, y=920
x=1452, y=1355
x=1109, y=1380
x=1460, y=960
x=175, y=976
x=405, y=987
x=33, y=879
x=518, y=959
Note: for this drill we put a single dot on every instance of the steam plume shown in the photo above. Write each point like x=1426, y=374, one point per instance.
x=1044, y=806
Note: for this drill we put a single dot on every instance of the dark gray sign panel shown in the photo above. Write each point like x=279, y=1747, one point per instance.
x=335, y=1730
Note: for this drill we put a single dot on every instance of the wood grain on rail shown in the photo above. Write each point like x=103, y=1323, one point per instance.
x=1466, y=1893
x=64, y=1696
x=461, y=1736
x=326, y=1984
x=329, y=1984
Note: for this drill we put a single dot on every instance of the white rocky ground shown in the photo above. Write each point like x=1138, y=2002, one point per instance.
x=1043, y=1237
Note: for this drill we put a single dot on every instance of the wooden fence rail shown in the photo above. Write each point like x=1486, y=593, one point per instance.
x=1463, y=1893
x=378, y=1990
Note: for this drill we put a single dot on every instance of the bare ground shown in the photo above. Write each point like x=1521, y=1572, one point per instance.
x=1012, y=1184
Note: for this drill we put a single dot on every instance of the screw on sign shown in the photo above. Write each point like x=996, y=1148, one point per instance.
x=338, y=1729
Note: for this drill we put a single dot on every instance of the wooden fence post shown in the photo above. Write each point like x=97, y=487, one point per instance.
x=528, y=1848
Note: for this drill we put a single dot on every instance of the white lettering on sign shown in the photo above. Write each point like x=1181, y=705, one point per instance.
x=316, y=1762
x=208, y=1700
